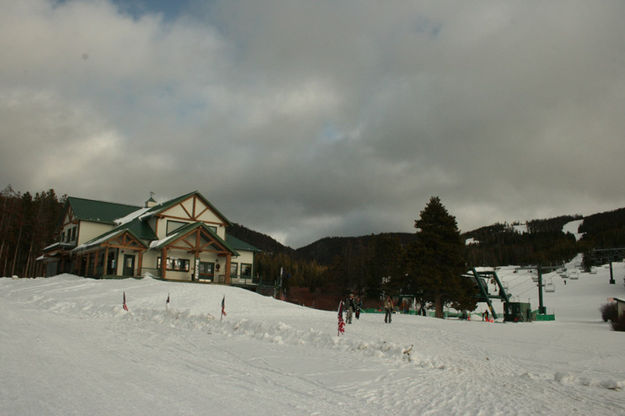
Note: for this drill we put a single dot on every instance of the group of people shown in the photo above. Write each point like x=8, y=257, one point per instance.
x=353, y=306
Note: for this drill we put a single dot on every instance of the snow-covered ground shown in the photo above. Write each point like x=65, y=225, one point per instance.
x=68, y=348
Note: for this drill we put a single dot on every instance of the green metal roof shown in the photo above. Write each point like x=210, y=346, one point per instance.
x=186, y=230
x=98, y=211
x=141, y=229
x=168, y=204
x=240, y=245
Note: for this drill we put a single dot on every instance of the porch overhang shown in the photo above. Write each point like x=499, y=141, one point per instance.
x=195, y=238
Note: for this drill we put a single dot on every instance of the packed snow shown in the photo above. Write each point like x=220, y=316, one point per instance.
x=69, y=348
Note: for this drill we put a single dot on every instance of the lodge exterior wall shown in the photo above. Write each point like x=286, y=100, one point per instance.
x=90, y=230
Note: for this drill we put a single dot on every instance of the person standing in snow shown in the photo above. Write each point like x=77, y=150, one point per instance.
x=358, y=305
x=349, y=309
x=388, y=309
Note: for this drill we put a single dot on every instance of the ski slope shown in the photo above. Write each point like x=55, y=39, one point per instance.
x=68, y=348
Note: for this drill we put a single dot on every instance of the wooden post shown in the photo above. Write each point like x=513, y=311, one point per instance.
x=140, y=266
x=95, y=263
x=105, y=266
x=228, y=268
x=164, y=263
x=87, y=264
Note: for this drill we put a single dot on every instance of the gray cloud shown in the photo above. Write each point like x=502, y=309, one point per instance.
x=308, y=119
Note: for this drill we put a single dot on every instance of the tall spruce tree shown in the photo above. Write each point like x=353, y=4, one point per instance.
x=437, y=260
x=387, y=264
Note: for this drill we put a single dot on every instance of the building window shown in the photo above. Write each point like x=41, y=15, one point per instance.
x=246, y=270
x=234, y=268
x=74, y=233
x=172, y=226
x=212, y=228
x=207, y=270
x=176, y=265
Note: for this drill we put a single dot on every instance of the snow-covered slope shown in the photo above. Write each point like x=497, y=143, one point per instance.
x=573, y=228
x=68, y=347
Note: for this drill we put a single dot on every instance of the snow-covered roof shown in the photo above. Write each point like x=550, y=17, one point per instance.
x=131, y=217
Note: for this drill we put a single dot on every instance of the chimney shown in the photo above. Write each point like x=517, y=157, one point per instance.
x=150, y=202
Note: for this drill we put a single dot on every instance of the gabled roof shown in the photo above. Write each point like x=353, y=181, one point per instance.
x=113, y=233
x=240, y=245
x=168, y=204
x=98, y=211
x=184, y=230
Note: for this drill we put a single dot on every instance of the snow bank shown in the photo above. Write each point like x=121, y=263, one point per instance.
x=69, y=348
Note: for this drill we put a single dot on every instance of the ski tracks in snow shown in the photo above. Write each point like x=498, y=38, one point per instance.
x=455, y=378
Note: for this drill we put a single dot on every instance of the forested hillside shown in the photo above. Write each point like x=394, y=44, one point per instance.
x=544, y=242
x=261, y=241
x=604, y=230
x=327, y=249
x=27, y=224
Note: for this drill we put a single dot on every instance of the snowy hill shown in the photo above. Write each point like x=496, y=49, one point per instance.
x=68, y=347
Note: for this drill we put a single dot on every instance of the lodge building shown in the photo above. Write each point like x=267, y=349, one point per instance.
x=184, y=239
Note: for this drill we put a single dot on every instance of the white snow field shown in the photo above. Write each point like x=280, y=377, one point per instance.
x=68, y=348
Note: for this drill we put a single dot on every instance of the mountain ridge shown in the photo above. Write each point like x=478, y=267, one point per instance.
x=539, y=239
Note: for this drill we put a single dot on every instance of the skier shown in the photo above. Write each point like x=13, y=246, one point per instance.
x=388, y=309
x=358, y=307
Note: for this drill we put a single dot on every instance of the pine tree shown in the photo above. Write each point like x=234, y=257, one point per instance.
x=437, y=260
x=387, y=264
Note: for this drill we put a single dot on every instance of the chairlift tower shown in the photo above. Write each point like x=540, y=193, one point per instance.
x=539, y=271
x=479, y=277
x=603, y=255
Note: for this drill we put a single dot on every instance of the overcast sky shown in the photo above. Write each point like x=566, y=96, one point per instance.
x=306, y=119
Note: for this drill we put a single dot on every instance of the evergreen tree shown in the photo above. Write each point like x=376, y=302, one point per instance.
x=388, y=264
x=437, y=260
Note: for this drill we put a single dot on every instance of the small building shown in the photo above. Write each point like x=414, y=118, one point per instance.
x=620, y=306
x=184, y=239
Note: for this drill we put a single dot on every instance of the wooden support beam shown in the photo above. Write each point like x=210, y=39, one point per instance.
x=228, y=268
x=105, y=265
x=140, y=265
x=95, y=262
x=87, y=264
x=186, y=211
x=164, y=263
x=201, y=212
